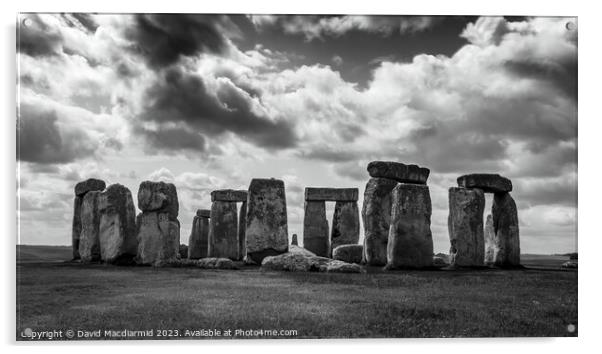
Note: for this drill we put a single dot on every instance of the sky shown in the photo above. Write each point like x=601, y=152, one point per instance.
x=211, y=101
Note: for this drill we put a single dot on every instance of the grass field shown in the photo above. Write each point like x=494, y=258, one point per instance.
x=55, y=295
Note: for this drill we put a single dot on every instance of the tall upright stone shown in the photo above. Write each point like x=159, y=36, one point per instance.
x=198, y=242
x=267, y=226
x=294, y=241
x=89, y=241
x=490, y=243
x=80, y=190
x=315, y=228
x=376, y=215
x=505, y=226
x=465, y=226
x=158, y=226
x=242, y=228
x=345, y=224
x=410, y=243
x=117, y=228
x=223, y=230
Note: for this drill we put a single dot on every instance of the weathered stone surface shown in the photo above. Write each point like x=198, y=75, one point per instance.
x=490, y=243
x=242, y=228
x=398, y=171
x=223, y=230
x=89, y=241
x=294, y=241
x=488, y=182
x=76, y=227
x=465, y=226
x=183, y=251
x=198, y=242
x=300, y=250
x=299, y=262
x=439, y=261
x=336, y=266
x=229, y=195
x=158, y=239
x=216, y=263
x=376, y=215
x=505, y=226
x=348, y=253
x=267, y=226
x=203, y=213
x=331, y=194
x=410, y=242
x=345, y=224
x=315, y=228
x=117, y=230
x=159, y=197
x=91, y=184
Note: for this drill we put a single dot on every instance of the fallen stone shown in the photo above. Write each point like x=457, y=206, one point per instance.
x=242, y=223
x=376, y=215
x=267, y=226
x=315, y=228
x=336, y=266
x=465, y=226
x=117, y=228
x=76, y=227
x=345, y=224
x=505, y=226
x=298, y=262
x=89, y=241
x=198, y=242
x=490, y=183
x=398, y=171
x=183, y=251
x=229, y=195
x=331, y=194
x=294, y=241
x=223, y=230
x=158, y=239
x=91, y=184
x=348, y=253
x=216, y=263
x=300, y=250
x=410, y=242
x=439, y=262
x=159, y=197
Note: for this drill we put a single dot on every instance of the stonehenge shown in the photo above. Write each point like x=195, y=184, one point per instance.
x=198, y=242
x=345, y=222
x=89, y=241
x=225, y=234
x=80, y=190
x=117, y=227
x=348, y=253
x=472, y=244
x=376, y=215
x=410, y=243
x=158, y=227
x=266, y=222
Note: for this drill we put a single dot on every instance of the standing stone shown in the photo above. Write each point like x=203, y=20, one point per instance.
x=198, y=242
x=117, y=230
x=80, y=190
x=267, y=226
x=410, y=242
x=490, y=244
x=223, y=230
x=315, y=228
x=89, y=242
x=465, y=226
x=398, y=171
x=242, y=227
x=345, y=224
x=159, y=197
x=294, y=241
x=158, y=237
x=76, y=227
x=376, y=215
x=505, y=226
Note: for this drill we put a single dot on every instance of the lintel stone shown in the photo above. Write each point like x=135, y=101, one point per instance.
x=229, y=195
x=331, y=194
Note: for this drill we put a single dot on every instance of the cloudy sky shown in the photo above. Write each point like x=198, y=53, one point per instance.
x=210, y=102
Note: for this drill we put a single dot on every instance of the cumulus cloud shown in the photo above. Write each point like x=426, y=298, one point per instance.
x=317, y=27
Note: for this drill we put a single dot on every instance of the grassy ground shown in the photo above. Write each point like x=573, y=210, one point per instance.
x=531, y=302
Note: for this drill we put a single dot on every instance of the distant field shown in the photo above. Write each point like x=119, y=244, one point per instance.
x=60, y=296
x=29, y=253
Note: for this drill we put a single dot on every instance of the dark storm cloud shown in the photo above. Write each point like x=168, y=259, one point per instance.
x=86, y=20
x=329, y=154
x=173, y=139
x=180, y=97
x=163, y=38
x=39, y=138
x=544, y=192
x=37, y=39
x=562, y=76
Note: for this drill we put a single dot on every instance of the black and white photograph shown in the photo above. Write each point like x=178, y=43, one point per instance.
x=257, y=176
